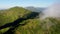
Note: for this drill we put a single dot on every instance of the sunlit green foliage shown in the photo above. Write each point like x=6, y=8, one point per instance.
x=32, y=27
x=7, y=16
x=4, y=30
x=48, y=25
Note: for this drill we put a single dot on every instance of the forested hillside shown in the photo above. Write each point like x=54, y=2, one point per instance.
x=19, y=15
x=17, y=20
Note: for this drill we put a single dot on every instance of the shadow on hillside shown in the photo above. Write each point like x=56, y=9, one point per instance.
x=33, y=15
x=15, y=24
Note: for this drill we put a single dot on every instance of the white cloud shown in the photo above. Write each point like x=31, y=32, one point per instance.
x=52, y=11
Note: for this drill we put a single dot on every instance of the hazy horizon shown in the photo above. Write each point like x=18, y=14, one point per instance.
x=25, y=3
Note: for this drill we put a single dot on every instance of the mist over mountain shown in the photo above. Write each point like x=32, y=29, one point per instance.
x=29, y=16
x=19, y=20
x=52, y=11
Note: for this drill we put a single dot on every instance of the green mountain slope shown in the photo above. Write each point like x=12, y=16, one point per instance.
x=12, y=14
x=18, y=20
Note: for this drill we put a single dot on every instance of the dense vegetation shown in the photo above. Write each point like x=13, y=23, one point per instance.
x=10, y=15
x=18, y=20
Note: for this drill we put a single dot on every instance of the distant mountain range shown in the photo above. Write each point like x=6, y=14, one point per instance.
x=35, y=9
x=31, y=8
x=2, y=8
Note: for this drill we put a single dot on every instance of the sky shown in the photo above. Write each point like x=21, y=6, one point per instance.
x=25, y=3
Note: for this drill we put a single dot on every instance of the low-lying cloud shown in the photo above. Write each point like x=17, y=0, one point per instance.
x=52, y=11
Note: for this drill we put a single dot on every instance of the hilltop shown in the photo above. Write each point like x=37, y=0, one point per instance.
x=10, y=15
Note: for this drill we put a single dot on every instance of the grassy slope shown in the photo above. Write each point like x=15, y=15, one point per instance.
x=12, y=14
x=46, y=26
x=33, y=26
